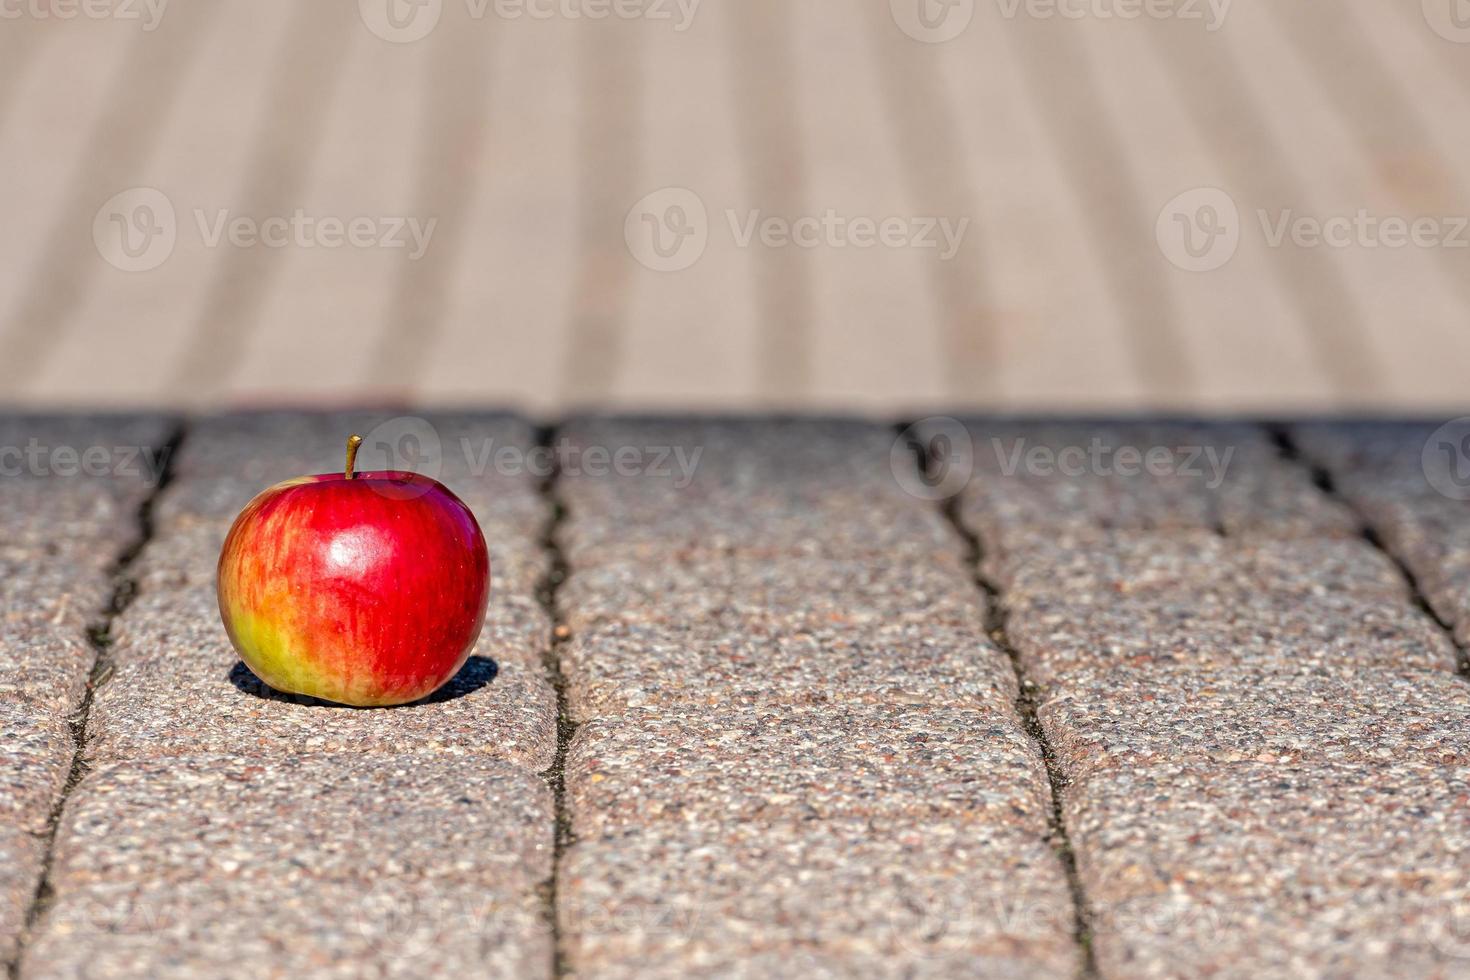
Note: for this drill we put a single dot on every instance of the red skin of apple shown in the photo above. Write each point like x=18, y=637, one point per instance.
x=367, y=591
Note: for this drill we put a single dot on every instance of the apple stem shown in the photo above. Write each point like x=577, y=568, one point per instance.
x=353, y=442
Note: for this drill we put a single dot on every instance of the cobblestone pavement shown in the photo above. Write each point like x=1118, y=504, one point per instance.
x=761, y=697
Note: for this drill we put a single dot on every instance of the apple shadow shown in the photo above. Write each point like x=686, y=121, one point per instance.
x=475, y=674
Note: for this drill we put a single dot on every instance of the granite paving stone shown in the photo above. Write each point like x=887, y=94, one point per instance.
x=70, y=491
x=1126, y=718
x=789, y=487
x=904, y=895
x=1352, y=934
x=36, y=750
x=1328, y=868
x=342, y=816
x=1002, y=963
x=1381, y=470
x=1035, y=478
x=696, y=767
x=74, y=518
x=398, y=928
x=63, y=531
x=1121, y=565
x=77, y=482
x=802, y=591
x=341, y=865
x=798, y=750
x=177, y=687
x=21, y=857
x=45, y=665
x=39, y=586
x=1058, y=641
x=616, y=666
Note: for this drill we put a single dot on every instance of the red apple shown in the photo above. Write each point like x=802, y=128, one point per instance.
x=359, y=588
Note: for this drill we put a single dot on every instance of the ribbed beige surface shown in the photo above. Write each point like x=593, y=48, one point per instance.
x=1057, y=140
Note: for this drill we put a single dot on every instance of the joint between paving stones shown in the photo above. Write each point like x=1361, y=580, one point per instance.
x=548, y=592
x=1325, y=482
x=99, y=636
x=996, y=628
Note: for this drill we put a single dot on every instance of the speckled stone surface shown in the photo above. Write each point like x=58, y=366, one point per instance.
x=72, y=484
x=1197, y=565
x=42, y=586
x=342, y=865
x=705, y=768
x=1036, y=478
x=36, y=750
x=1129, y=718
x=1007, y=962
x=45, y=664
x=907, y=896
x=1327, y=868
x=68, y=508
x=177, y=687
x=21, y=854
x=1381, y=469
x=1058, y=640
x=70, y=489
x=800, y=752
x=794, y=723
x=617, y=666
x=821, y=488
x=798, y=592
